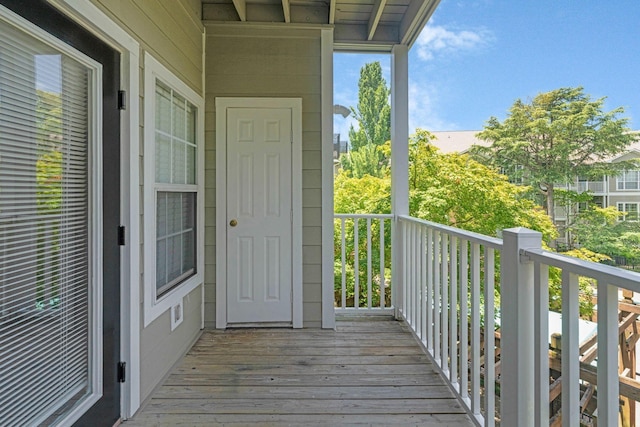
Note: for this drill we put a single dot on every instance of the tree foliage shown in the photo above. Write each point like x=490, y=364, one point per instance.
x=454, y=189
x=368, y=160
x=599, y=230
x=374, y=111
x=555, y=137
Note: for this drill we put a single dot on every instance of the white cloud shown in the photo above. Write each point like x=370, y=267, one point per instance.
x=436, y=39
x=423, y=114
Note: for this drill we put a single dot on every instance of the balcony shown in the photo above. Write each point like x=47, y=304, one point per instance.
x=462, y=293
x=462, y=354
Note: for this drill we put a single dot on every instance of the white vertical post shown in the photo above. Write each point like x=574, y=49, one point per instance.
x=541, y=343
x=399, y=157
x=608, y=383
x=489, y=338
x=383, y=287
x=475, y=332
x=369, y=264
x=356, y=264
x=328, y=310
x=453, y=327
x=464, y=321
x=517, y=340
x=570, y=346
x=430, y=301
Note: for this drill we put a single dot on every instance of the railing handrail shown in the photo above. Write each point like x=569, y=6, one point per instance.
x=491, y=242
x=363, y=216
x=605, y=273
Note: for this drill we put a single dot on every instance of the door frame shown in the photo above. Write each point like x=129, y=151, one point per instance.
x=102, y=26
x=295, y=105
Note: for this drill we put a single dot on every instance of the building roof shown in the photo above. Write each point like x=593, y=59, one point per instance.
x=360, y=25
x=461, y=140
x=458, y=141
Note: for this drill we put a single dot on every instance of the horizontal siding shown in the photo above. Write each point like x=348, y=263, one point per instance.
x=259, y=62
x=161, y=349
x=169, y=29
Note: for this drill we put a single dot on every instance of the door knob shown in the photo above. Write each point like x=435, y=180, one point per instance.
x=233, y=223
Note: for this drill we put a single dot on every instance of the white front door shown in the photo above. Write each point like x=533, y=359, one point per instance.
x=259, y=215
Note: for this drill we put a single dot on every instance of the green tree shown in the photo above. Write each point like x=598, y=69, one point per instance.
x=374, y=111
x=367, y=160
x=555, y=137
x=454, y=189
x=598, y=230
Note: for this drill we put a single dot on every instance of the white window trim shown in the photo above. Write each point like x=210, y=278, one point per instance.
x=621, y=180
x=154, y=307
x=622, y=205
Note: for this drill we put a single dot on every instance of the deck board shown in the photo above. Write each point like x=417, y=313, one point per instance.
x=363, y=373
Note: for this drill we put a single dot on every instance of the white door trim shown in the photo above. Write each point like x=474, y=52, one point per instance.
x=222, y=104
x=97, y=22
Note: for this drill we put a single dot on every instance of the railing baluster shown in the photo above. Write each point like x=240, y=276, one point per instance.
x=444, y=310
x=408, y=275
x=356, y=266
x=343, y=250
x=416, y=278
x=475, y=330
x=383, y=293
x=405, y=275
x=489, y=339
x=464, y=321
x=436, y=297
x=570, y=351
x=424, y=305
x=608, y=383
x=430, y=302
x=369, y=293
x=541, y=337
x=453, y=311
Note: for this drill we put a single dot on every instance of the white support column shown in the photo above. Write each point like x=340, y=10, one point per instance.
x=399, y=158
x=328, y=310
x=518, y=386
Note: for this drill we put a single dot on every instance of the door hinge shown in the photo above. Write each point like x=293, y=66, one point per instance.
x=122, y=372
x=122, y=100
x=121, y=235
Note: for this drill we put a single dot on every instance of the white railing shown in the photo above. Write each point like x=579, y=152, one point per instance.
x=444, y=279
x=362, y=245
x=447, y=298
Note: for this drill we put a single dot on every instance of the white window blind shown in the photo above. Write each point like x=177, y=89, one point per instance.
x=44, y=230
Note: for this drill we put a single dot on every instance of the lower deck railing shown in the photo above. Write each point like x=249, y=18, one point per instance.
x=480, y=307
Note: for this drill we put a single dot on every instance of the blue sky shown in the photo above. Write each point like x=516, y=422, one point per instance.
x=476, y=57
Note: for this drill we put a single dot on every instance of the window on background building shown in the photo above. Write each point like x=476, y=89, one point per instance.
x=631, y=210
x=629, y=180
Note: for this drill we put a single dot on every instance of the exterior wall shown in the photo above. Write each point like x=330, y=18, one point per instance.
x=256, y=61
x=172, y=32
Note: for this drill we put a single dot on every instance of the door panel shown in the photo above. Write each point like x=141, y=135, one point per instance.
x=259, y=284
x=62, y=168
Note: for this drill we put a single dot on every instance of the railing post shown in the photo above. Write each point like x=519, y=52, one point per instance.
x=517, y=330
x=399, y=166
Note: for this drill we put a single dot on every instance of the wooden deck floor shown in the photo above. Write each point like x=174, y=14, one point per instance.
x=367, y=372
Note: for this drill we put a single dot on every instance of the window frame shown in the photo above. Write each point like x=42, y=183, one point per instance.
x=621, y=181
x=622, y=207
x=154, y=304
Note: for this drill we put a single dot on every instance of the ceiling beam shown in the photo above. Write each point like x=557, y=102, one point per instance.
x=286, y=8
x=241, y=8
x=332, y=12
x=374, y=19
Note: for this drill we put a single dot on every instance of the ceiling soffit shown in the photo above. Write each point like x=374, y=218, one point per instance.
x=360, y=25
